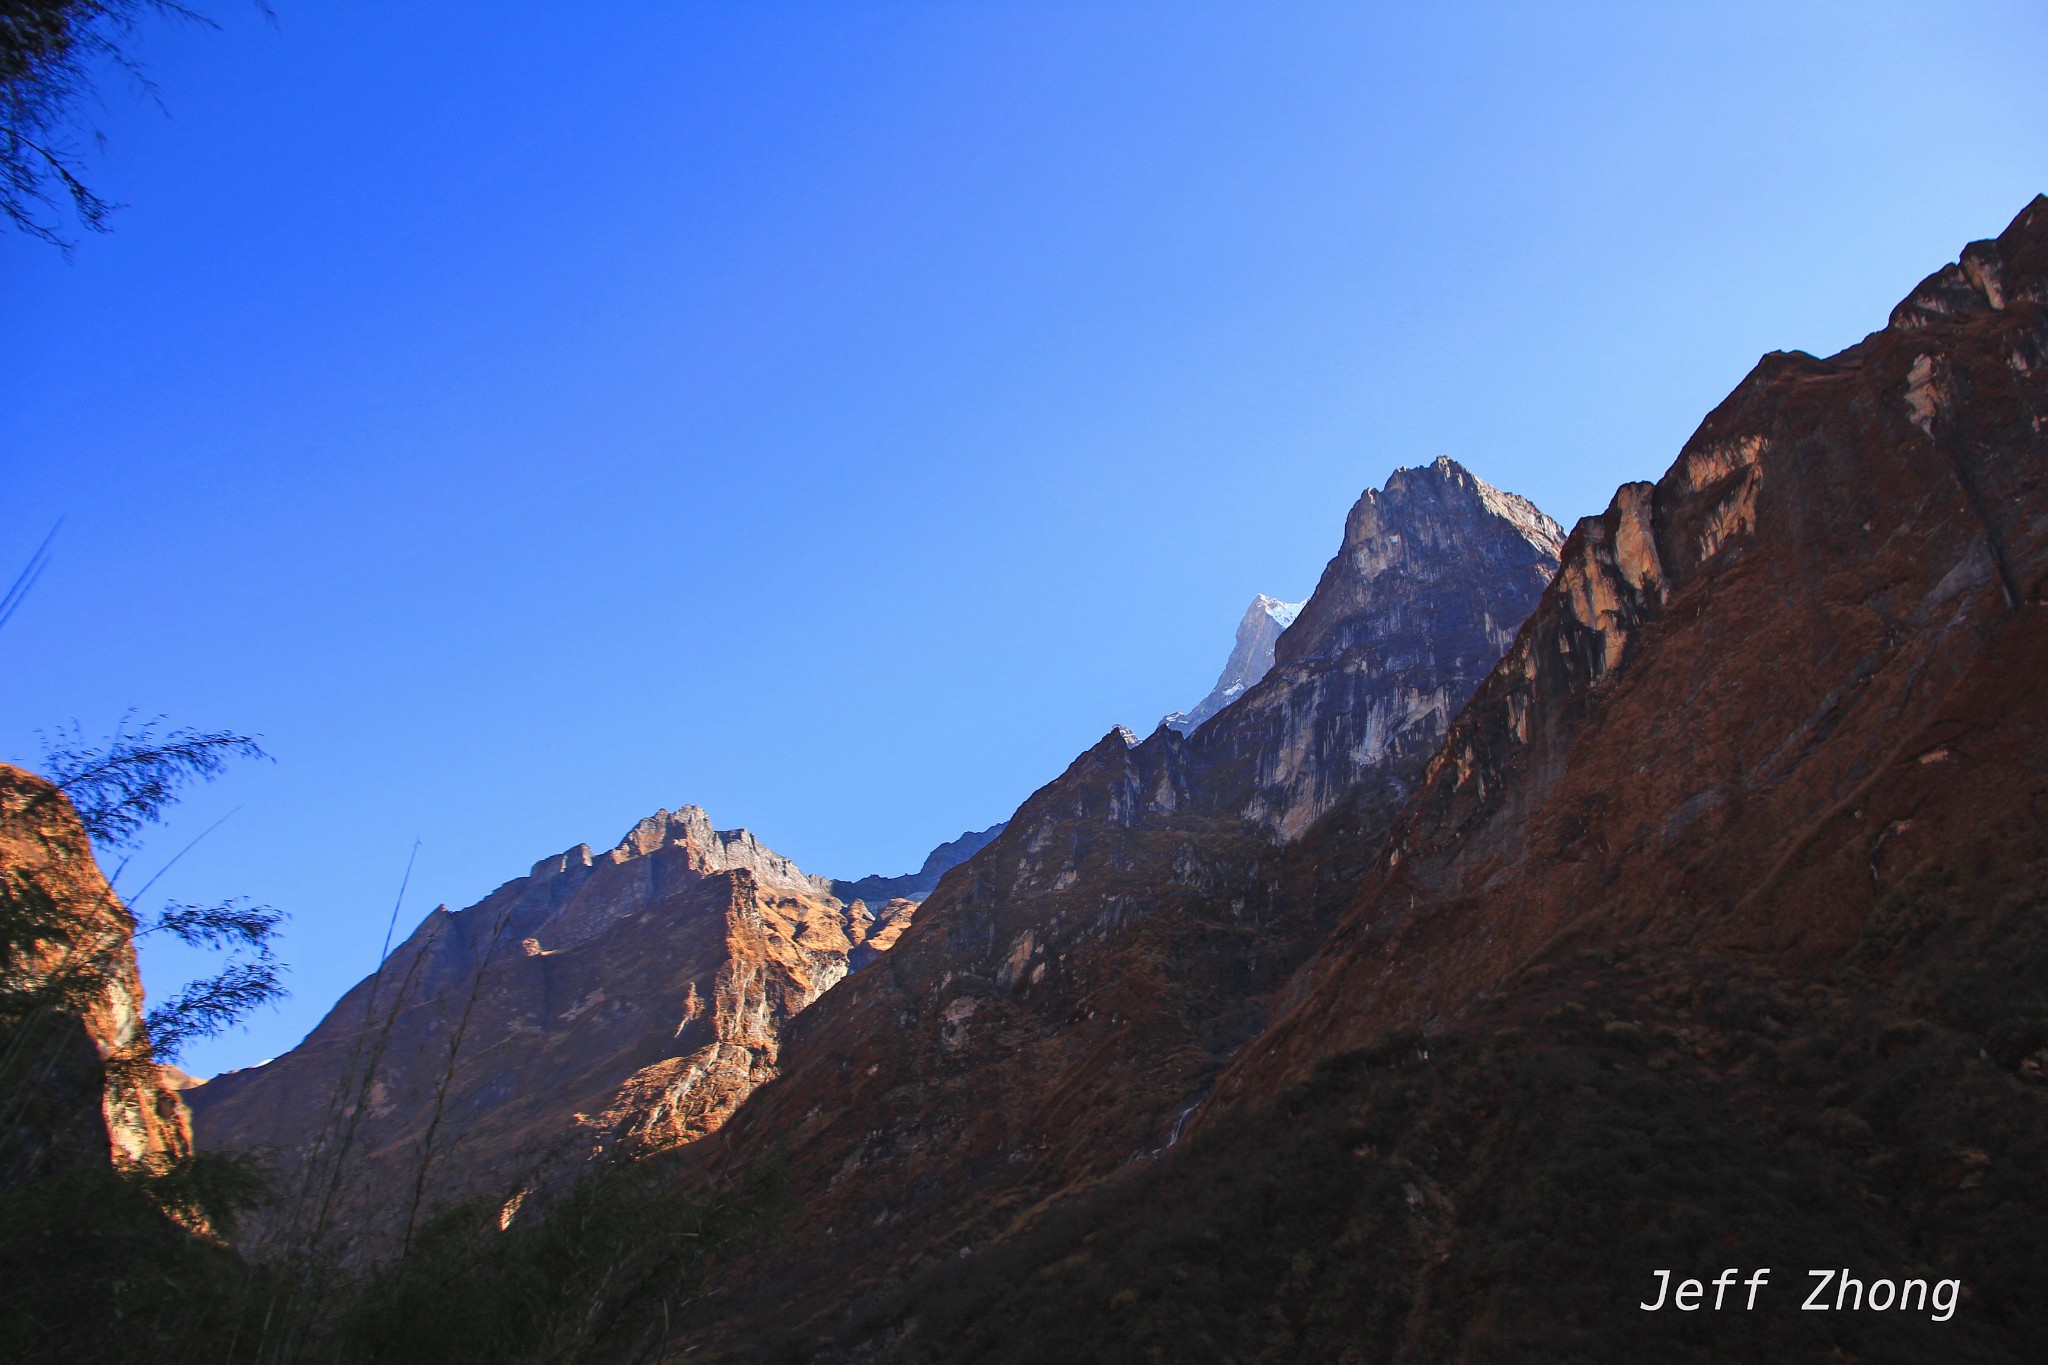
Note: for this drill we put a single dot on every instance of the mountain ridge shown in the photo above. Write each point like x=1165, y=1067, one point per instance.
x=1904, y=518
x=644, y=991
x=1712, y=933
x=1065, y=996
x=919, y=884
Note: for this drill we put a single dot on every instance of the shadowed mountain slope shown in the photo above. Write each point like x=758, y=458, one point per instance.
x=1067, y=995
x=1715, y=934
x=1762, y=691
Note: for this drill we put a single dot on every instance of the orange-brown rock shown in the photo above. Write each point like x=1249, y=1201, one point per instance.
x=617, y=1002
x=877, y=930
x=80, y=1081
x=1711, y=933
x=1762, y=691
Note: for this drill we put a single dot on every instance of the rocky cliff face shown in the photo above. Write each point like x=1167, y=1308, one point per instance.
x=622, y=1001
x=1713, y=933
x=1251, y=658
x=1067, y=995
x=80, y=1083
x=1436, y=573
x=1761, y=691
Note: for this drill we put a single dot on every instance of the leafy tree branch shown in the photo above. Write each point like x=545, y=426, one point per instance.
x=122, y=786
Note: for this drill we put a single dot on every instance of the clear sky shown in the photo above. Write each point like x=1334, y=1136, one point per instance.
x=838, y=415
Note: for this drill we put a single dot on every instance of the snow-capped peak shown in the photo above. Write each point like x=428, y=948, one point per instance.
x=1249, y=660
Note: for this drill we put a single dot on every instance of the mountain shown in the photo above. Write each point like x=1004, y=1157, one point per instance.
x=1798, y=643
x=629, y=1002
x=1713, y=933
x=1250, y=660
x=1066, y=996
x=915, y=886
x=617, y=1002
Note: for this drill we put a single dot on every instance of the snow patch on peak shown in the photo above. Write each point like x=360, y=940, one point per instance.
x=1282, y=612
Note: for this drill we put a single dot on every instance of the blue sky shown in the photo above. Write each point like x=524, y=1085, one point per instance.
x=839, y=415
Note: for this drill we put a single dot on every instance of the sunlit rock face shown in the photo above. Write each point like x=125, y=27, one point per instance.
x=1729, y=875
x=98, y=1096
x=878, y=929
x=1068, y=993
x=1762, y=690
x=617, y=1001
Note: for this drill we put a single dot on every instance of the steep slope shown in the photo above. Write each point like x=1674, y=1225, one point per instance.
x=79, y=1081
x=1798, y=644
x=1065, y=996
x=619, y=1001
x=1715, y=934
x=1251, y=658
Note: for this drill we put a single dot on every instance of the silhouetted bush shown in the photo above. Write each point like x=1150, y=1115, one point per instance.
x=597, y=1272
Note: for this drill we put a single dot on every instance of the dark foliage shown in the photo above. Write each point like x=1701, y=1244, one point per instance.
x=600, y=1271
x=204, y=1008
x=92, y=1269
x=232, y=924
x=125, y=784
x=207, y=1007
x=49, y=53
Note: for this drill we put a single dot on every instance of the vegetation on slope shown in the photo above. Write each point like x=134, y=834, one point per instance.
x=1506, y=1191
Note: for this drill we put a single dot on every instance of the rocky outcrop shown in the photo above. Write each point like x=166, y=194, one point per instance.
x=1761, y=691
x=623, y=1001
x=1436, y=573
x=1711, y=933
x=81, y=1084
x=877, y=930
x=1251, y=658
x=1066, y=996
x=915, y=886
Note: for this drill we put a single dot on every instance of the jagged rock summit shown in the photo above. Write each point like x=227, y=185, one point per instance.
x=1438, y=525
x=1714, y=932
x=1067, y=995
x=1435, y=574
x=618, y=1001
x=1250, y=660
